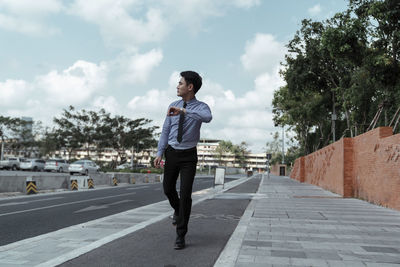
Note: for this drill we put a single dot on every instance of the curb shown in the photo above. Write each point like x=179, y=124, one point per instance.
x=230, y=253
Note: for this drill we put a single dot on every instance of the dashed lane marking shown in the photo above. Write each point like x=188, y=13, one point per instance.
x=64, y=204
x=27, y=202
x=138, y=187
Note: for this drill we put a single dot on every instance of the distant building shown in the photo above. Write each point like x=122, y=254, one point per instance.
x=206, y=152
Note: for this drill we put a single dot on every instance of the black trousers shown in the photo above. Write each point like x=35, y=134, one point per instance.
x=181, y=162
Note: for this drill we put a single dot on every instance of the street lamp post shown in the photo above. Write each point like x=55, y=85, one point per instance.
x=2, y=151
x=283, y=144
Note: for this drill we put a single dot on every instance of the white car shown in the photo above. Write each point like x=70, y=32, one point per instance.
x=32, y=165
x=124, y=166
x=83, y=167
x=58, y=165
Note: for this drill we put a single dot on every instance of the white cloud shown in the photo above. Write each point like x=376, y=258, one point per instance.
x=128, y=23
x=24, y=26
x=247, y=3
x=48, y=94
x=26, y=17
x=262, y=54
x=242, y=118
x=14, y=93
x=117, y=26
x=108, y=103
x=315, y=10
x=154, y=103
x=31, y=8
x=137, y=68
x=74, y=85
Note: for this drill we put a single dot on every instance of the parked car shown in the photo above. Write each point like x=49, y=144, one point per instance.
x=58, y=165
x=11, y=163
x=83, y=167
x=124, y=166
x=32, y=165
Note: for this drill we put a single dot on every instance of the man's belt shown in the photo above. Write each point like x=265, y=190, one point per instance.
x=182, y=150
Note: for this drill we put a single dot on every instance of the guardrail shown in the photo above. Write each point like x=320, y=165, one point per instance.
x=17, y=183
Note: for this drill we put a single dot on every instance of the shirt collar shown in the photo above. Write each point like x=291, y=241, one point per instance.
x=190, y=101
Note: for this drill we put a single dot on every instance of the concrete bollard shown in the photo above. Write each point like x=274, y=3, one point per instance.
x=74, y=184
x=146, y=179
x=115, y=181
x=90, y=183
x=133, y=180
x=30, y=186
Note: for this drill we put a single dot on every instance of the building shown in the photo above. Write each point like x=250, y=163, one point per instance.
x=206, y=151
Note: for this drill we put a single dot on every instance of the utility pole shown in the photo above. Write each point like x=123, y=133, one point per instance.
x=132, y=157
x=2, y=151
x=283, y=144
x=333, y=118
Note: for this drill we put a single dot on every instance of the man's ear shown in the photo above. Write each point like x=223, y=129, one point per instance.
x=190, y=87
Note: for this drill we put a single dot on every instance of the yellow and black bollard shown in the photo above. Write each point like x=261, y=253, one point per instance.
x=74, y=184
x=115, y=181
x=31, y=187
x=90, y=183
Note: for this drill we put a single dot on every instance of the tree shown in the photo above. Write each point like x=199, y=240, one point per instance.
x=344, y=67
x=98, y=130
x=240, y=151
x=10, y=131
x=224, y=148
x=227, y=148
x=274, y=148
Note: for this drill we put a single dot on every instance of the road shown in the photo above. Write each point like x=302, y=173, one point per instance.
x=30, y=216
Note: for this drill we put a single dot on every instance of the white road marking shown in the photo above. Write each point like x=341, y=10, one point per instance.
x=27, y=202
x=138, y=187
x=64, y=204
x=98, y=207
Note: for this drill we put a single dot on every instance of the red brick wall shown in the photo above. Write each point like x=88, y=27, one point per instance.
x=324, y=167
x=295, y=174
x=377, y=167
x=367, y=167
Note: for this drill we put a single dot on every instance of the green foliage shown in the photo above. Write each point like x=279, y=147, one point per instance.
x=274, y=148
x=238, y=152
x=77, y=129
x=16, y=135
x=347, y=65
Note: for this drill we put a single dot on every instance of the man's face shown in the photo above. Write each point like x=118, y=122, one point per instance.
x=183, y=89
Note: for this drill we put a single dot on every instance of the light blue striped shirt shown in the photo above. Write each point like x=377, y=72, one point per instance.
x=197, y=112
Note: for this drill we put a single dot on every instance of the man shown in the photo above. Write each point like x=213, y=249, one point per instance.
x=178, y=141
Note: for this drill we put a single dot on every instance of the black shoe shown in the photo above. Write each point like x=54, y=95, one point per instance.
x=179, y=243
x=174, y=219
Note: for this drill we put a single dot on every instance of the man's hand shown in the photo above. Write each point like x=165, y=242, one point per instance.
x=157, y=162
x=174, y=111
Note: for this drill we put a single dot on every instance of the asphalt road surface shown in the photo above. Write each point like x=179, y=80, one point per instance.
x=29, y=216
x=211, y=224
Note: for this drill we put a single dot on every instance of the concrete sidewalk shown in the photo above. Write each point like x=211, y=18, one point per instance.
x=295, y=224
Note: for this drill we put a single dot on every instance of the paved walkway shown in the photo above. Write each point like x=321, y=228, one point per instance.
x=293, y=224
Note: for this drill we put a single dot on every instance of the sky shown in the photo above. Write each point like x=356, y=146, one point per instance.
x=125, y=56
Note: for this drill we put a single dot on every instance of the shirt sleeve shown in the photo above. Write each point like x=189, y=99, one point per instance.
x=163, y=142
x=202, y=114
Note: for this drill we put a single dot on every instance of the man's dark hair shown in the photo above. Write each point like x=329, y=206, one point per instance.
x=192, y=77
